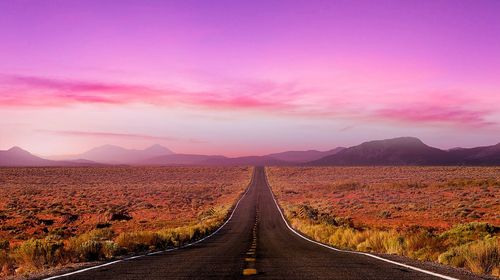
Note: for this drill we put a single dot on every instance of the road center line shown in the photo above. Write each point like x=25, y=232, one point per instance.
x=250, y=269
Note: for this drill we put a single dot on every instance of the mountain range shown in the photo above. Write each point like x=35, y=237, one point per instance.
x=117, y=155
x=154, y=155
x=396, y=151
x=410, y=151
x=16, y=156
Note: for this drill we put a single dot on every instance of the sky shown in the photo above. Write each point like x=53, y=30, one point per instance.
x=247, y=77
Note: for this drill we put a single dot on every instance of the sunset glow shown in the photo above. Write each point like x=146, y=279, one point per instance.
x=240, y=78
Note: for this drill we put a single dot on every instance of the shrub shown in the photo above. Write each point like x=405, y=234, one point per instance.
x=476, y=249
x=110, y=249
x=423, y=246
x=6, y=263
x=382, y=242
x=140, y=241
x=455, y=256
x=395, y=244
x=464, y=233
x=311, y=202
x=90, y=250
x=90, y=246
x=4, y=244
x=39, y=253
x=347, y=238
x=65, y=207
x=483, y=256
x=98, y=244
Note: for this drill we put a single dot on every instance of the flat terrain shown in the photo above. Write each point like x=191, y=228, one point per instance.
x=393, y=197
x=37, y=202
x=278, y=253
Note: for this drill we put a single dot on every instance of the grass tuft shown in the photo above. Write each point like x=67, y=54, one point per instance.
x=472, y=246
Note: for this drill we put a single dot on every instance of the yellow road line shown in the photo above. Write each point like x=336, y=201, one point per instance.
x=249, y=271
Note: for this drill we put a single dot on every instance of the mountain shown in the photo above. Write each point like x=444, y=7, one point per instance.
x=249, y=160
x=410, y=151
x=304, y=156
x=397, y=151
x=204, y=160
x=117, y=155
x=276, y=159
x=487, y=155
x=284, y=158
x=16, y=156
x=180, y=159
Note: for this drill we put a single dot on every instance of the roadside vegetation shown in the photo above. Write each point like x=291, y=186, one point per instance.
x=172, y=206
x=475, y=246
x=464, y=241
x=100, y=244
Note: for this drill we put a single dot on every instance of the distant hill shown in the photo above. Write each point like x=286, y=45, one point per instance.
x=249, y=160
x=180, y=159
x=117, y=155
x=284, y=158
x=410, y=151
x=16, y=156
x=487, y=155
x=396, y=151
x=207, y=160
x=304, y=156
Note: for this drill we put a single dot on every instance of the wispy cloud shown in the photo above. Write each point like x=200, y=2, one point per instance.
x=452, y=107
x=128, y=136
x=346, y=128
x=68, y=85
x=446, y=106
x=420, y=114
x=48, y=92
x=29, y=91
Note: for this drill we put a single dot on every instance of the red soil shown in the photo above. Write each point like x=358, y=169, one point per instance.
x=35, y=202
x=394, y=197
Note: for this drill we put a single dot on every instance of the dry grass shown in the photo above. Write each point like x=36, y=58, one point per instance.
x=482, y=256
x=412, y=211
x=56, y=216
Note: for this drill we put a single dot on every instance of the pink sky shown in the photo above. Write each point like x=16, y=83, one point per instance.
x=247, y=77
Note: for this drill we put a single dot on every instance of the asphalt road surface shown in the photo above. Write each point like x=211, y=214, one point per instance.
x=255, y=241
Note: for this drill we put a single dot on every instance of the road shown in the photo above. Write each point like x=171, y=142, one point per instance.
x=256, y=237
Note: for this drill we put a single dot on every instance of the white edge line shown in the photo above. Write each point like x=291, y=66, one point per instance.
x=352, y=252
x=162, y=251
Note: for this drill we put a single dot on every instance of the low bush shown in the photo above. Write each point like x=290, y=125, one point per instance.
x=483, y=256
x=383, y=242
x=463, y=233
x=39, y=253
x=6, y=263
x=4, y=244
x=101, y=244
x=90, y=246
x=140, y=241
x=475, y=246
